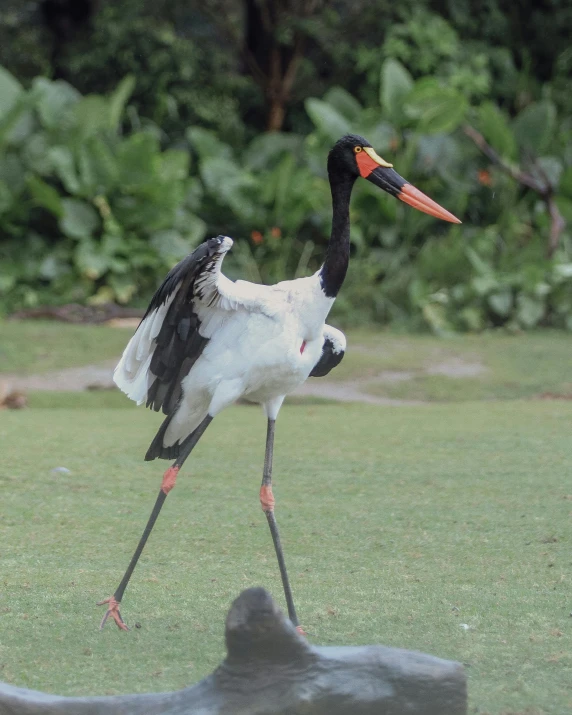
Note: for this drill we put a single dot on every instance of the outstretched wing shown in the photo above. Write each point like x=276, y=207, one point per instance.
x=333, y=350
x=184, y=313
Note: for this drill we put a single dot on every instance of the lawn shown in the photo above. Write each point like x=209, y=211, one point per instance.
x=444, y=528
x=383, y=364
x=35, y=346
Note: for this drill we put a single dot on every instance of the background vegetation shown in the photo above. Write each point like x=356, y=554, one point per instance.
x=130, y=131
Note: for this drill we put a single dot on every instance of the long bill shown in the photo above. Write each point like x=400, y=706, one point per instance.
x=389, y=180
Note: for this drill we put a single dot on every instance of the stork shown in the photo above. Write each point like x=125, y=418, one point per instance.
x=206, y=341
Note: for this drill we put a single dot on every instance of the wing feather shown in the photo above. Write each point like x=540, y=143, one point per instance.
x=333, y=351
x=193, y=301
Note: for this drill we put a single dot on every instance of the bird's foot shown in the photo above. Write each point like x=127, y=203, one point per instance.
x=113, y=611
x=301, y=631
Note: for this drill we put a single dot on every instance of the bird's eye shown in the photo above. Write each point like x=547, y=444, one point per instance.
x=357, y=149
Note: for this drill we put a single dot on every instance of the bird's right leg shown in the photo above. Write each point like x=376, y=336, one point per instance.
x=267, y=503
x=169, y=478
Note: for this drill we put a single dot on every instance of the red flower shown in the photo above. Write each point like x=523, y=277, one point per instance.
x=256, y=237
x=484, y=177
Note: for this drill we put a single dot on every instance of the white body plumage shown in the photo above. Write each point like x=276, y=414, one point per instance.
x=263, y=342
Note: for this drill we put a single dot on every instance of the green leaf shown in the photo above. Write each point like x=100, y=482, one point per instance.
x=343, y=102
x=396, y=84
x=137, y=160
x=501, y=302
x=92, y=116
x=170, y=245
x=64, y=165
x=268, y=147
x=123, y=287
x=6, y=199
x=495, y=128
x=54, y=100
x=327, y=119
x=207, y=144
x=174, y=165
x=552, y=168
x=119, y=99
x=436, y=108
x=529, y=310
x=90, y=260
x=45, y=195
x=7, y=282
x=10, y=90
x=79, y=220
x=566, y=182
x=534, y=127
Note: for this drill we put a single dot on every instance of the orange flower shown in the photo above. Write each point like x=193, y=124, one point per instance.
x=257, y=237
x=484, y=177
x=275, y=232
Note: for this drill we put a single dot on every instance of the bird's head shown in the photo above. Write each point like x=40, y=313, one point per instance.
x=353, y=155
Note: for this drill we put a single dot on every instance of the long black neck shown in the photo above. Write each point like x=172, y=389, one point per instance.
x=338, y=254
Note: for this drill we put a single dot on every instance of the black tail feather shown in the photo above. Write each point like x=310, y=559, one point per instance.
x=157, y=450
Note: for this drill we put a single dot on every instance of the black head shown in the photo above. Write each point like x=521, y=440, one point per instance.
x=342, y=156
x=353, y=156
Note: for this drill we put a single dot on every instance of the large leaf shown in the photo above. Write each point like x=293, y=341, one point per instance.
x=91, y=260
x=344, y=103
x=327, y=119
x=79, y=219
x=54, y=100
x=529, y=310
x=174, y=165
x=396, y=84
x=436, y=108
x=64, y=165
x=92, y=116
x=170, y=245
x=266, y=148
x=119, y=99
x=10, y=90
x=534, y=126
x=138, y=156
x=45, y=195
x=230, y=184
x=6, y=198
x=207, y=144
x=495, y=128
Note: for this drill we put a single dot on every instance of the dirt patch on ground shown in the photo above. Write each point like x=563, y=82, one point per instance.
x=455, y=367
x=100, y=376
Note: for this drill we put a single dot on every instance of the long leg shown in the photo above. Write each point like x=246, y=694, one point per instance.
x=169, y=479
x=267, y=502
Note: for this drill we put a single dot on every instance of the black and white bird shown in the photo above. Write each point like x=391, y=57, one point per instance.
x=206, y=341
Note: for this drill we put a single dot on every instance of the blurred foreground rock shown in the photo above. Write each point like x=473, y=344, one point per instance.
x=271, y=670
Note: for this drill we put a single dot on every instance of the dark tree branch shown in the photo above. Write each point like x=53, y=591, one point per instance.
x=543, y=186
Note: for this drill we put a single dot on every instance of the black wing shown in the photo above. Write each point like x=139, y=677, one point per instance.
x=168, y=340
x=332, y=355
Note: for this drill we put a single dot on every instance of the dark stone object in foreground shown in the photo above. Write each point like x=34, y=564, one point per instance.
x=271, y=670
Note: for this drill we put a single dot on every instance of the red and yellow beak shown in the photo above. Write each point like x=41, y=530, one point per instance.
x=375, y=169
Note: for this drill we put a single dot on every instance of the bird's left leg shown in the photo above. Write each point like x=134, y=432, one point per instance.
x=168, y=483
x=267, y=503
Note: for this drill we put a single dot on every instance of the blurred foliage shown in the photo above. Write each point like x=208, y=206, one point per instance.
x=85, y=212
x=150, y=136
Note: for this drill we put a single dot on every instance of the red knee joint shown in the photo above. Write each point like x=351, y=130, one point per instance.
x=266, y=498
x=169, y=479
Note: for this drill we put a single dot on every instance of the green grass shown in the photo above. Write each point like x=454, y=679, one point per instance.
x=399, y=526
x=34, y=346
x=511, y=366
x=508, y=366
